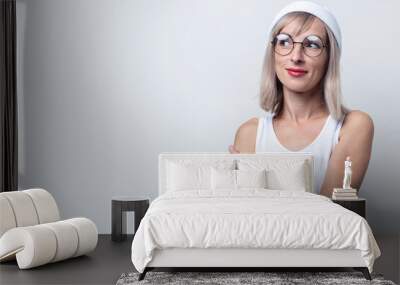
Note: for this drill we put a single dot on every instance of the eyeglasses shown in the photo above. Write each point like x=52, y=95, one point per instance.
x=312, y=45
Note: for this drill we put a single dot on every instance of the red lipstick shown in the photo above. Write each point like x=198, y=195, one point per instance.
x=296, y=72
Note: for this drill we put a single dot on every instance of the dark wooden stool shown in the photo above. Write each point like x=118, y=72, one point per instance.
x=119, y=206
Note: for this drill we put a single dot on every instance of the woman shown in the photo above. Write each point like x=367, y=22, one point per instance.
x=300, y=89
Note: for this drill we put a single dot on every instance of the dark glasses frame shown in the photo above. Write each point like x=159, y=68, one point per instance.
x=274, y=40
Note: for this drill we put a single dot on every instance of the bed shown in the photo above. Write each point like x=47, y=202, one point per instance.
x=245, y=211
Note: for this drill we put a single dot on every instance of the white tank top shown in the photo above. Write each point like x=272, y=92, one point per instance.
x=321, y=147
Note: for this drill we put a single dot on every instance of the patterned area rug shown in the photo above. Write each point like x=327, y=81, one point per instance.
x=229, y=278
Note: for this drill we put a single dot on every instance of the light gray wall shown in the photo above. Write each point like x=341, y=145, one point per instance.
x=105, y=86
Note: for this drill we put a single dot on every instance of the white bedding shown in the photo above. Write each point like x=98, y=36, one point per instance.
x=250, y=218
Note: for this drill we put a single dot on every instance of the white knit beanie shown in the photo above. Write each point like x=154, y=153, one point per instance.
x=315, y=9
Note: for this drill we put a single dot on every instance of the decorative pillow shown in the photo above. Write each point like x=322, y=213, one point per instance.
x=186, y=177
x=251, y=178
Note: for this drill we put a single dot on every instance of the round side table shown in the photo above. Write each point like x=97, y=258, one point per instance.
x=119, y=206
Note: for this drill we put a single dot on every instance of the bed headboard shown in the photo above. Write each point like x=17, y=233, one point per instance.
x=223, y=158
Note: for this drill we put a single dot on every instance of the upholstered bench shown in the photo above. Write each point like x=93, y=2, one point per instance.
x=31, y=231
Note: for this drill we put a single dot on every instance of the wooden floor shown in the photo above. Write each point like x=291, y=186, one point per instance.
x=111, y=259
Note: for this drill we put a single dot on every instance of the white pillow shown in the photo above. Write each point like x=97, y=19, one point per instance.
x=282, y=174
x=290, y=179
x=223, y=179
x=187, y=177
x=251, y=178
x=237, y=179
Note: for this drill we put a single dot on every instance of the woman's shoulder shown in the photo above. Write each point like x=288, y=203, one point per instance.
x=246, y=134
x=248, y=127
x=356, y=121
x=253, y=122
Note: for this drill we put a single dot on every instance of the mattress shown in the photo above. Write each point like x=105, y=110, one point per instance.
x=250, y=219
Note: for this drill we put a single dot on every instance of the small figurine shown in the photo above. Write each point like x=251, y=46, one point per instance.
x=347, y=174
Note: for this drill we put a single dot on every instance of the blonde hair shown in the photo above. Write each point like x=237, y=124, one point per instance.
x=271, y=91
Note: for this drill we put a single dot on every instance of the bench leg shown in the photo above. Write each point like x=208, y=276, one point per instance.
x=364, y=271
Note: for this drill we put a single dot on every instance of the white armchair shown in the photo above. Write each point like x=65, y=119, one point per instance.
x=31, y=230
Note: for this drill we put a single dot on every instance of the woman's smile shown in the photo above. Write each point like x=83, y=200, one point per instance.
x=296, y=72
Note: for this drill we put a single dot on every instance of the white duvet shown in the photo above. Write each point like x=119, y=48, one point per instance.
x=250, y=218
